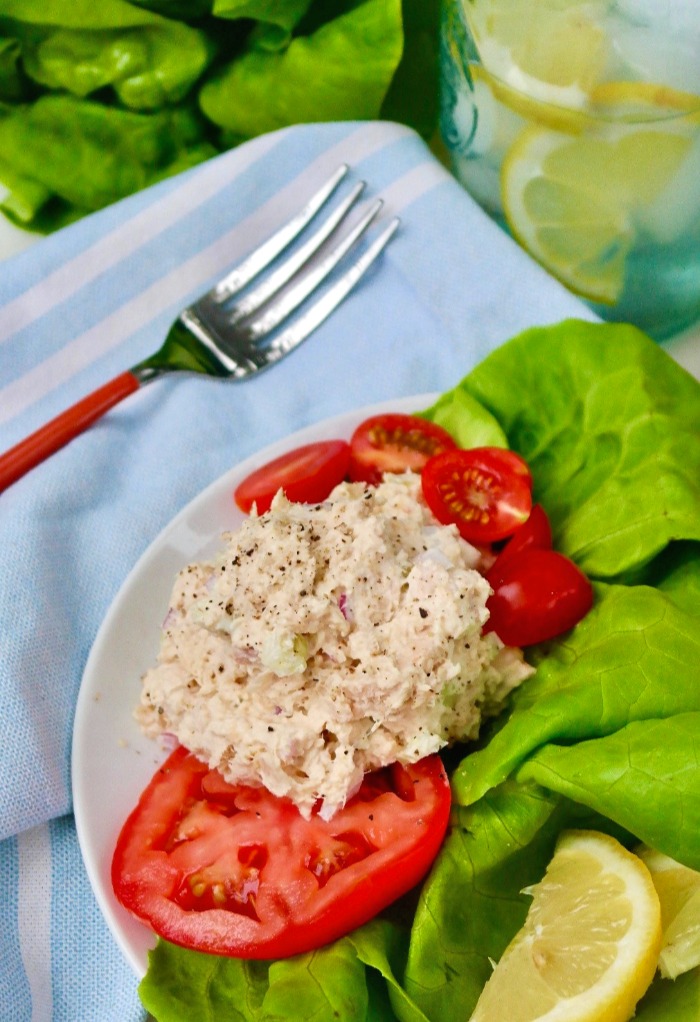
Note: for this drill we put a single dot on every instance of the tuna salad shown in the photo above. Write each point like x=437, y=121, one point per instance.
x=328, y=640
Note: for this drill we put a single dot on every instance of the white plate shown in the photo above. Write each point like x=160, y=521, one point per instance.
x=112, y=762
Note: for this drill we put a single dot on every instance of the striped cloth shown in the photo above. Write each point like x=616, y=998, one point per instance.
x=75, y=310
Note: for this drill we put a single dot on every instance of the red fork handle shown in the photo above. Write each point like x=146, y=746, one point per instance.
x=55, y=434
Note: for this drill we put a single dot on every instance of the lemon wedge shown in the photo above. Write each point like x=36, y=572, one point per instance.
x=678, y=888
x=554, y=52
x=577, y=202
x=589, y=946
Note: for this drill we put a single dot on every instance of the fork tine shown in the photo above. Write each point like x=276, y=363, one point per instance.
x=276, y=280
x=263, y=255
x=305, y=324
x=299, y=292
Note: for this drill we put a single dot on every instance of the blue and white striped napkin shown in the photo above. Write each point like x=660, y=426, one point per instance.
x=81, y=306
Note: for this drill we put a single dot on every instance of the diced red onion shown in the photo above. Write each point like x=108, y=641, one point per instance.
x=344, y=606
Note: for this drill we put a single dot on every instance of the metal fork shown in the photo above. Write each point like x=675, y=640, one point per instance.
x=219, y=338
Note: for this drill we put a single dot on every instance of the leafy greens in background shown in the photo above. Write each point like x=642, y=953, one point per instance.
x=606, y=733
x=113, y=152
x=98, y=100
x=269, y=85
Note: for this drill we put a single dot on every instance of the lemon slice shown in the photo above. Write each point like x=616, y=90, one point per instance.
x=589, y=946
x=642, y=101
x=511, y=102
x=576, y=202
x=553, y=52
x=678, y=888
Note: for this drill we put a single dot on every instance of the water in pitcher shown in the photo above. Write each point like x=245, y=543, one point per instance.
x=576, y=125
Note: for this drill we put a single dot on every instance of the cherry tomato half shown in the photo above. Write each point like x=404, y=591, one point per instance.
x=484, y=491
x=508, y=461
x=394, y=443
x=540, y=594
x=306, y=474
x=235, y=871
x=535, y=533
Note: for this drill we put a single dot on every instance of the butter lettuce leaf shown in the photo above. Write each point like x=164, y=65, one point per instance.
x=611, y=427
x=80, y=14
x=382, y=947
x=342, y=981
x=148, y=66
x=88, y=155
x=588, y=723
x=643, y=776
x=24, y=198
x=80, y=47
x=13, y=84
x=351, y=60
x=182, y=984
x=285, y=15
x=671, y=1000
x=466, y=420
x=471, y=904
x=185, y=10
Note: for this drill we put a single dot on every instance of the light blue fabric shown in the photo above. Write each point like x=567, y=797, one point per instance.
x=77, y=309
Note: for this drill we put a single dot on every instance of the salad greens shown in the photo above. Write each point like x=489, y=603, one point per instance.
x=604, y=735
x=98, y=100
x=112, y=151
x=270, y=82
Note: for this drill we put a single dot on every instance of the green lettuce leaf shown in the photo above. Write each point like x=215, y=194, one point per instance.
x=148, y=66
x=466, y=420
x=346, y=980
x=185, y=10
x=611, y=428
x=24, y=198
x=13, y=85
x=471, y=903
x=334, y=986
x=79, y=14
x=588, y=723
x=382, y=947
x=182, y=984
x=90, y=155
x=642, y=776
x=350, y=60
x=285, y=15
x=671, y=1001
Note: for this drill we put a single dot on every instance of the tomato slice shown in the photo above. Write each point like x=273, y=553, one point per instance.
x=540, y=594
x=485, y=491
x=307, y=475
x=394, y=443
x=235, y=871
x=535, y=533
